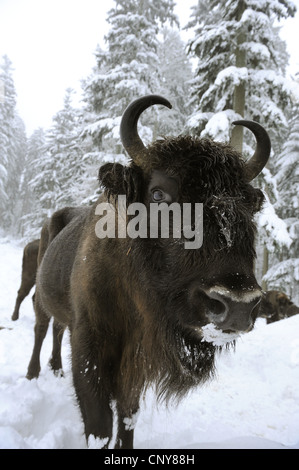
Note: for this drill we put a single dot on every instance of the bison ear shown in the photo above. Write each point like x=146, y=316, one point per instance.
x=121, y=180
x=260, y=199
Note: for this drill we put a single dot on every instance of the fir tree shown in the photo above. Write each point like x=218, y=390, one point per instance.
x=32, y=220
x=7, y=110
x=287, y=176
x=12, y=147
x=129, y=68
x=58, y=163
x=15, y=172
x=227, y=34
x=63, y=147
x=176, y=74
x=284, y=274
x=241, y=67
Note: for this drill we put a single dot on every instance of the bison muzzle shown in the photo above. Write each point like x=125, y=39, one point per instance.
x=138, y=308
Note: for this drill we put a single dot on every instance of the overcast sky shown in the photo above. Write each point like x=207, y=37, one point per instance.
x=51, y=45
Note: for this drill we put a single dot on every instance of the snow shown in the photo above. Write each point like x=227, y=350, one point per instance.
x=219, y=125
x=211, y=334
x=252, y=403
x=257, y=49
x=278, y=271
x=276, y=80
x=234, y=74
x=196, y=119
x=275, y=227
x=251, y=16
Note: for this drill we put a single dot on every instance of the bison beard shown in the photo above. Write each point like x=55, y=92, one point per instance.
x=136, y=308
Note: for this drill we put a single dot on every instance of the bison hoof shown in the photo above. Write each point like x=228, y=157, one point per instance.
x=58, y=373
x=33, y=370
x=14, y=317
x=31, y=375
x=56, y=366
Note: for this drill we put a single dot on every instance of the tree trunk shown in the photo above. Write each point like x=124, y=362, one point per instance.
x=265, y=266
x=239, y=91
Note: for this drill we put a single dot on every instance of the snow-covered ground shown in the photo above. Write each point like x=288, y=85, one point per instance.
x=253, y=403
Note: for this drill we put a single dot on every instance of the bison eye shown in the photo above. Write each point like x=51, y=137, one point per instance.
x=158, y=195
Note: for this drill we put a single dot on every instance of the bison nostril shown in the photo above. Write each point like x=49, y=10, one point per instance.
x=213, y=304
x=230, y=310
x=216, y=307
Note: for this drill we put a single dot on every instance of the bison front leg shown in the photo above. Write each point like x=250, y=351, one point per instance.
x=55, y=361
x=40, y=331
x=126, y=425
x=94, y=400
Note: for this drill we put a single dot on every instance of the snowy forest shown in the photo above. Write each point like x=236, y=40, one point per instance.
x=233, y=66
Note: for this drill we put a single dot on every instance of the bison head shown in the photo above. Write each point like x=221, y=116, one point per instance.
x=213, y=284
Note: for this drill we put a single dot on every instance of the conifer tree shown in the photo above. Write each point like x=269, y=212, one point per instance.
x=58, y=164
x=12, y=146
x=241, y=68
x=63, y=147
x=129, y=68
x=7, y=110
x=15, y=172
x=284, y=273
x=176, y=74
x=239, y=50
x=32, y=220
x=287, y=175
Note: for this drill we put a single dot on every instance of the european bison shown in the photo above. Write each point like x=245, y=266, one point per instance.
x=138, y=306
x=29, y=266
x=276, y=305
x=50, y=229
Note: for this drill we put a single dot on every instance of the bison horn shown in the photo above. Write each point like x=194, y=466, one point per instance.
x=263, y=148
x=128, y=126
